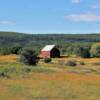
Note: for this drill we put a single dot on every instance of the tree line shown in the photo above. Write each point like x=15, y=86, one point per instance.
x=69, y=44
x=30, y=57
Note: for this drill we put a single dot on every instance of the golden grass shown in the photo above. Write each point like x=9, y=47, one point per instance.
x=86, y=60
x=8, y=58
x=12, y=58
x=56, y=86
x=59, y=85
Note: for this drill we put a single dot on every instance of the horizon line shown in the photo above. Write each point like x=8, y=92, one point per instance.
x=50, y=32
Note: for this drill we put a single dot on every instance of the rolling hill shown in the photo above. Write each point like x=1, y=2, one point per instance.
x=12, y=38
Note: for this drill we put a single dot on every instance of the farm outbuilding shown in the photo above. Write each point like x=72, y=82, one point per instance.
x=50, y=51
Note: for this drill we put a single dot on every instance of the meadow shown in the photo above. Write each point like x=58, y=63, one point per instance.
x=53, y=81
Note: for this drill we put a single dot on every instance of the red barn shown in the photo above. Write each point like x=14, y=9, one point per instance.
x=50, y=51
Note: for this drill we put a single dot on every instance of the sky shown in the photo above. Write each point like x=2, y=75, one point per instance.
x=50, y=16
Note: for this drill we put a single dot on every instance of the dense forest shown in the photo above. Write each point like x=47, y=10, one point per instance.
x=37, y=41
x=12, y=38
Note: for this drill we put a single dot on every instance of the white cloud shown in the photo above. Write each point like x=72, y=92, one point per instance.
x=95, y=6
x=83, y=17
x=7, y=22
x=75, y=1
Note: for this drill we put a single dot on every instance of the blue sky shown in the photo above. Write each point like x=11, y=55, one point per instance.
x=50, y=16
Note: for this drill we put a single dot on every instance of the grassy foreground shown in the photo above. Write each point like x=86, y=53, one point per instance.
x=53, y=81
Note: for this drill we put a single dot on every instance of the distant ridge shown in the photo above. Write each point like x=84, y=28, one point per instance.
x=12, y=38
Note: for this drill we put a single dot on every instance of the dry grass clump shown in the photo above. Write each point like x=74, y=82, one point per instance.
x=82, y=63
x=71, y=63
x=61, y=62
x=96, y=63
x=47, y=60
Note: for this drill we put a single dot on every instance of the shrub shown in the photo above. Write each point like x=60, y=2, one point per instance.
x=96, y=63
x=27, y=70
x=4, y=74
x=82, y=52
x=63, y=51
x=95, y=50
x=70, y=50
x=82, y=63
x=5, y=50
x=10, y=50
x=71, y=63
x=47, y=60
x=15, y=49
x=29, y=56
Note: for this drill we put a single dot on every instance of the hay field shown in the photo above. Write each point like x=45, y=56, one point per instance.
x=52, y=81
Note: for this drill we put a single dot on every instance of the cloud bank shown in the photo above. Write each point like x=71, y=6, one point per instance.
x=75, y=1
x=83, y=17
x=10, y=22
x=95, y=6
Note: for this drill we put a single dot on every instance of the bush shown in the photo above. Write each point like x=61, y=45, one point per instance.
x=15, y=49
x=70, y=50
x=82, y=52
x=5, y=50
x=95, y=50
x=10, y=50
x=4, y=75
x=96, y=63
x=82, y=63
x=71, y=63
x=47, y=60
x=29, y=56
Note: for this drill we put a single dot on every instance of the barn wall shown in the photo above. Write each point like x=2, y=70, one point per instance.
x=45, y=54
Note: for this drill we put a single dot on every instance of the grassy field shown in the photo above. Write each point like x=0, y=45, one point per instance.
x=53, y=81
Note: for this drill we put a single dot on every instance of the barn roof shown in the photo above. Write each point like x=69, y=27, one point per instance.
x=48, y=47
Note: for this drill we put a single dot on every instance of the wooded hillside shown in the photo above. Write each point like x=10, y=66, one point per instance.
x=13, y=38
